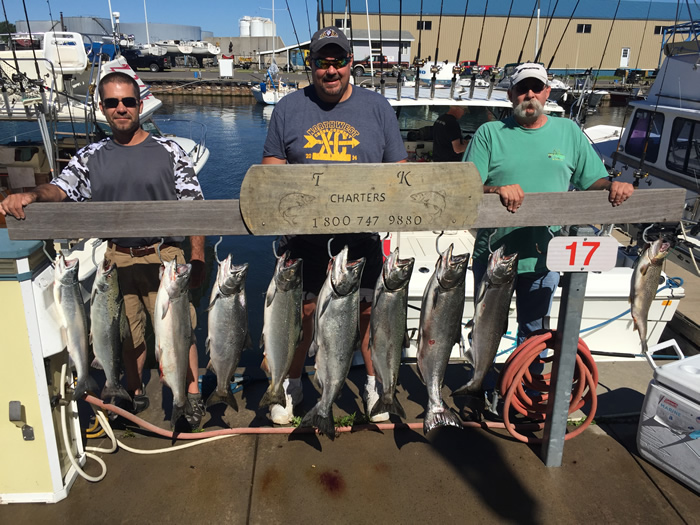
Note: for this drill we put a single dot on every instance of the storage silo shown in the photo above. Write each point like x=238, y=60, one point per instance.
x=256, y=27
x=269, y=27
x=244, y=26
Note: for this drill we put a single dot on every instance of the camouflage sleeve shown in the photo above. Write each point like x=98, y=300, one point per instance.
x=187, y=185
x=75, y=177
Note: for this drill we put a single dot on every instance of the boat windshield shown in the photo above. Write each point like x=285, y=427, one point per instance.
x=414, y=118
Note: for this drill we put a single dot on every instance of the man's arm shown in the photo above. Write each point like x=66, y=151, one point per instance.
x=14, y=204
x=197, y=261
x=459, y=146
x=512, y=196
x=273, y=160
x=619, y=192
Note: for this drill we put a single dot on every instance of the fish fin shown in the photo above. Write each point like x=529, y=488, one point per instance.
x=443, y=417
x=109, y=392
x=215, y=398
x=261, y=344
x=157, y=351
x=324, y=425
x=323, y=306
x=420, y=375
x=316, y=380
x=212, y=303
x=96, y=364
x=124, y=328
x=313, y=348
x=93, y=294
x=177, y=413
x=393, y=407
x=406, y=339
x=464, y=390
x=210, y=366
x=207, y=346
x=165, y=310
x=269, y=297
x=273, y=396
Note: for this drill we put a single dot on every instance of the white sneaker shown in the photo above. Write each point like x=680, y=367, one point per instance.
x=373, y=390
x=283, y=415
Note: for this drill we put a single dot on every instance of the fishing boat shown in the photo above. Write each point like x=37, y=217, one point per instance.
x=176, y=47
x=659, y=145
x=273, y=88
x=204, y=49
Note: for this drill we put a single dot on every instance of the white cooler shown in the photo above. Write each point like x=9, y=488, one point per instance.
x=669, y=427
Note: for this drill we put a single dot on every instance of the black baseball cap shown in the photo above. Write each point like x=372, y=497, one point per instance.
x=329, y=36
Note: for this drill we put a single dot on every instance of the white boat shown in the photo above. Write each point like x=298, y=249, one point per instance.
x=176, y=47
x=659, y=147
x=205, y=49
x=272, y=89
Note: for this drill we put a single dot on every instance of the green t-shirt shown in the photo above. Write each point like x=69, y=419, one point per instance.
x=551, y=158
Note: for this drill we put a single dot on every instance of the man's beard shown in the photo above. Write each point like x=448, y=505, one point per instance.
x=521, y=114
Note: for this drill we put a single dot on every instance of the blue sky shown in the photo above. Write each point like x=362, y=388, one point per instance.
x=221, y=16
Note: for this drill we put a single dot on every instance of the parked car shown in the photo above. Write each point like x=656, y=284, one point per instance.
x=378, y=63
x=137, y=60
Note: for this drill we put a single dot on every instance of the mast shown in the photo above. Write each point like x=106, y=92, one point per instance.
x=537, y=30
x=145, y=14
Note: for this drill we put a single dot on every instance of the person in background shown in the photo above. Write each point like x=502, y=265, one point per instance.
x=531, y=152
x=448, y=144
x=132, y=165
x=313, y=125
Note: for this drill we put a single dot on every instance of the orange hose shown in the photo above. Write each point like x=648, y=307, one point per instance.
x=516, y=378
x=273, y=430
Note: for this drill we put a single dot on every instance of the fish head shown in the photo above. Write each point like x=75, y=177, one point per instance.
x=346, y=275
x=176, y=278
x=502, y=268
x=231, y=277
x=660, y=248
x=288, y=272
x=105, y=275
x=451, y=269
x=66, y=272
x=397, y=272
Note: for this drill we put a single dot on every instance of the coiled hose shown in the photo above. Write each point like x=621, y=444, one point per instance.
x=516, y=379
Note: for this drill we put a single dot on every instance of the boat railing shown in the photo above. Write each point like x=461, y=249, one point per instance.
x=196, y=132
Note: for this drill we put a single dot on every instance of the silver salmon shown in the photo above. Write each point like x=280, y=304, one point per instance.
x=71, y=314
x=645, y=281
x=491, y=310
x=173, y=331
x=387, y=329
x=440, y=328
x=228, y=328
x=281, y=331
x=336, y=336
x=108, y=328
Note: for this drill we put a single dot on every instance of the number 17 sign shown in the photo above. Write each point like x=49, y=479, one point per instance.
x=582, y=254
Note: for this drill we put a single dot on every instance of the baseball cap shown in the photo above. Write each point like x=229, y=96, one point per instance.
x=329, y=36
x=529, y=70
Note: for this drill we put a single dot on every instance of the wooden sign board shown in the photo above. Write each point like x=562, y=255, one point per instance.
x=352, y=198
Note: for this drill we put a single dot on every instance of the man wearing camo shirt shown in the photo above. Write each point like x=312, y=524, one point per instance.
x=132, y=165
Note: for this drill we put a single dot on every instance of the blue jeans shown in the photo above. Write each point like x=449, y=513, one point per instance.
x=533, y=298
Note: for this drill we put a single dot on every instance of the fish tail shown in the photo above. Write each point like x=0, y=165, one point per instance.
x=390, y=405
x=324, y=424
x=217, y=397
x=109, y=392
x=440, y=417
x=273, y=396
x=178, y=412
x=83, y=386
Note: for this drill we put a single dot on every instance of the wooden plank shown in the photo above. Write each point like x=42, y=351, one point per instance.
x=349, y=198
x=583, y=207
x=70, y=220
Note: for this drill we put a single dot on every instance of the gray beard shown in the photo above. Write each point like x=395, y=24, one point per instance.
x=522, y=116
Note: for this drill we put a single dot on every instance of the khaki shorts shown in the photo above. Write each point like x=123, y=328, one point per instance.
x=139, y=281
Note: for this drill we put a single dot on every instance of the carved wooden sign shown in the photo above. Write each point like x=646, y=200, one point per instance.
x=350, y=198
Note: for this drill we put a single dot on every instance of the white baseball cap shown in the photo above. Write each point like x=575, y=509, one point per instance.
x=529, y=70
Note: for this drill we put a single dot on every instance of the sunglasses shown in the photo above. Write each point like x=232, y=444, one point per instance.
x=524, y=87
x=323, y=63
x=111, y=103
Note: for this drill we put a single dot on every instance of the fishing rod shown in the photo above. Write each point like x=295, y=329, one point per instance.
x=551, y=60
x=529, y=24
x=291, y=18
x=9, y=38
x=418, y=61
x=481, y=36
x=382, y=80
x=494, y=69
x=308, y=19
x=456, y=69
x=435, y=68
x=546, y=31
x=400, y=71
x=323, y=14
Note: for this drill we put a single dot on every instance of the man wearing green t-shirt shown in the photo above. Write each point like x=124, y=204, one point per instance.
x=531, y=152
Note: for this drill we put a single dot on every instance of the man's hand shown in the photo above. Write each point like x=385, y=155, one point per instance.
x=620, y=192
x=14, y=204
x=512, y=195
x=197, y=273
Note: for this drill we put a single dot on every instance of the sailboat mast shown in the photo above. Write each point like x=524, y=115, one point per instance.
x=537, y=31
x=145, y=14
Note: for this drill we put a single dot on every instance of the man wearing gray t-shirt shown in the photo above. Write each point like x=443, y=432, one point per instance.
x=332, y=121
x=132, y=165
